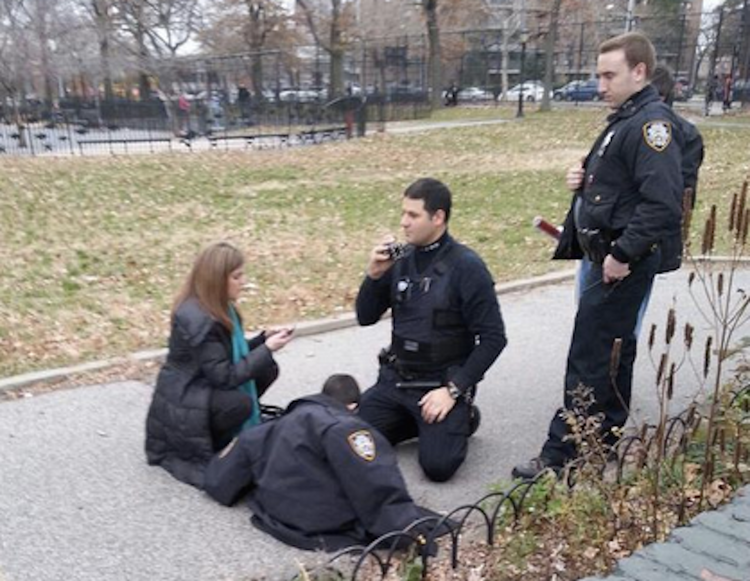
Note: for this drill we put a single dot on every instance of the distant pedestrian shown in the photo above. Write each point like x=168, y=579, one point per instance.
x=211, y=383
x=727, y=87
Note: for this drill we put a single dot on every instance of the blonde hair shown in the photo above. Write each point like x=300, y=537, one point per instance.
x=208, y=281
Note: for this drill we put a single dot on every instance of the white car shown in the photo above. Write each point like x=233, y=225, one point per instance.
x=475, y=94
x=301, y=95
x=532, y=91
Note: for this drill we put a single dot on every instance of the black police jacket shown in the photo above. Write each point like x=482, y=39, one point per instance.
x=633, y=184
x=447, y=323
x=318, y=477
x=692, y=157
x=178, y=434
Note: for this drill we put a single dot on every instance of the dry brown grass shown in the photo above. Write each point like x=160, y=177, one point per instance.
x=94, y=248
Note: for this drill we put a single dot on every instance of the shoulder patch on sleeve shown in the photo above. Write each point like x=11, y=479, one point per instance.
x=657, y=134
x=363, y=444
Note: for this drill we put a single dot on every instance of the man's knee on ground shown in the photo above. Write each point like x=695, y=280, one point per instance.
x=440, y=469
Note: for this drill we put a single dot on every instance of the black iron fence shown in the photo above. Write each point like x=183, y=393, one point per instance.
x=135, y=127
x=485, y=517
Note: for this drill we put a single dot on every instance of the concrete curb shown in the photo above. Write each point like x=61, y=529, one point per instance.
x=303, y=329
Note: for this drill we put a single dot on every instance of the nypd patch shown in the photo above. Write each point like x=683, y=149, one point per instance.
x=658, y=134
x=363, y=444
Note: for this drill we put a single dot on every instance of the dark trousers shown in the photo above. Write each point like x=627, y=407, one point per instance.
x=606, y=313
x=229, y=408
x=228, y=411
x=395, y=412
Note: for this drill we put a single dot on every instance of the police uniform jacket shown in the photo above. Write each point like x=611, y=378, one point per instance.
x=692, y=156
x=448, y=311
x=178, y=435
x=319, y=478
x=633, y=184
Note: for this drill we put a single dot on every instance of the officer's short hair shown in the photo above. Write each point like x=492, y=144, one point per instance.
x=434, y=193
x=637, y=48
x=663, y=81
x=343, y=388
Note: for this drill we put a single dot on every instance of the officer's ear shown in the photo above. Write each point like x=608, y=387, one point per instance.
x=438, y=217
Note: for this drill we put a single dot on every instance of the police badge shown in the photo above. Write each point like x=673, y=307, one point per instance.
x=658, y=135
x=363, y=444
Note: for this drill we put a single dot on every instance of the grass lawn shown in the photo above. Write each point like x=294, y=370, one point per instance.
x=93, y=249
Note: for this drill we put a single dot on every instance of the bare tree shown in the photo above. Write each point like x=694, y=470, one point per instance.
x=338, y=21
x=550, y=42
x=39, y=16
x=102, y=17
x=434, y=59
x=159, y=29
x=12, y=51
x=254, y=26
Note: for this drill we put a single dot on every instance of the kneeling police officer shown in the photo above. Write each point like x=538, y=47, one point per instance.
x=447, y=331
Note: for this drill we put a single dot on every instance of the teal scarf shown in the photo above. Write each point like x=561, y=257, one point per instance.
x=240, y=350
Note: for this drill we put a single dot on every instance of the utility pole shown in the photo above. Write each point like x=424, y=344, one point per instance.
x=680, y=41
x=524, y=39
x=711, y=86
x=745, y=50
x=629, y=16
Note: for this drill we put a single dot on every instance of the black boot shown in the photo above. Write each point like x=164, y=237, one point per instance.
x=475, y=418
x=534, y=467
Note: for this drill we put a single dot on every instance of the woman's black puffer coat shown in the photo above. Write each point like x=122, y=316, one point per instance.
x=178, y=434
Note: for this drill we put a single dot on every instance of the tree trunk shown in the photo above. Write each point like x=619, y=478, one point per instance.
x=101, y=15
x=257, y=42
x=336, y=87
x=549, y=56
x=504, y=59
x=433, y=40
x=256, y=70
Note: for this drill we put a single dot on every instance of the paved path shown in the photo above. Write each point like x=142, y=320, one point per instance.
x=78, y=502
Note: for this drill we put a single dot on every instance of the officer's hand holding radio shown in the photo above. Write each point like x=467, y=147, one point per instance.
x=381, y=258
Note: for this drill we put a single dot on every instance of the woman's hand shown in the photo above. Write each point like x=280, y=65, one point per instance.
x=277, y=337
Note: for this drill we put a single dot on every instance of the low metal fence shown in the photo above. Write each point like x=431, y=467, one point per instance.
x=504, y=509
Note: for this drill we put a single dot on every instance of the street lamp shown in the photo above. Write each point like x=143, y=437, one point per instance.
x=524, y=39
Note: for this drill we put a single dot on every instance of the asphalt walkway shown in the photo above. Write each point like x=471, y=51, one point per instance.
x=78, y=502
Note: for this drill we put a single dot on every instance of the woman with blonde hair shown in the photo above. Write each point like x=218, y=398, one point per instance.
x=209, y=387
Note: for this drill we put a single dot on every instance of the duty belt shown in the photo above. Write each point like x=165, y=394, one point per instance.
x=596, y=243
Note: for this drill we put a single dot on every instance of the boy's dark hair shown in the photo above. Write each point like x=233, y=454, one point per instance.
x=663, y=81
x=343, y=388
x=434, y=193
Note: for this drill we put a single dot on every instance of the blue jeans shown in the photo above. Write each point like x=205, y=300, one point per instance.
x=584, y=267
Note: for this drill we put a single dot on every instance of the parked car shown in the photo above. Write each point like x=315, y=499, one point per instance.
x=578, y=91
x=682, y=89
x=532, y=91
x=310, y=95
x=741, y=90
x=473, y=94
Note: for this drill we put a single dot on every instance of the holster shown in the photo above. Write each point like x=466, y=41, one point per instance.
x=595, y=243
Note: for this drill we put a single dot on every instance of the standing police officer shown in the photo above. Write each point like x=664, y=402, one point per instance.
x=627, y=201
x=447, y=331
